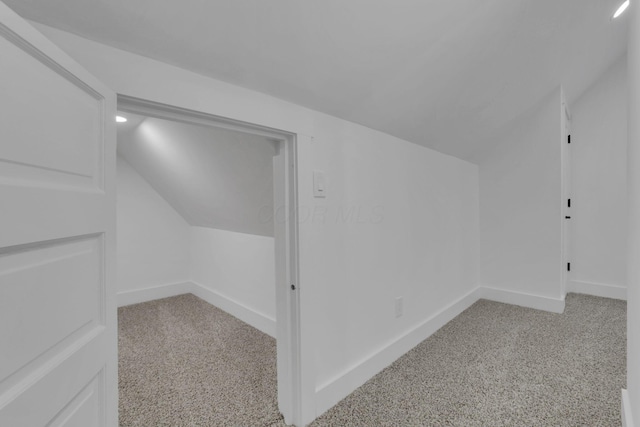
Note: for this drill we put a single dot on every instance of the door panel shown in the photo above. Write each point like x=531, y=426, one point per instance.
x=52, y=387
x=58, y=347
x=70, y=268
x=37, y=85
x=84, y=409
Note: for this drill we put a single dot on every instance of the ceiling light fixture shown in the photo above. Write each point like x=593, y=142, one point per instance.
x=120, y=119
x=621, y=9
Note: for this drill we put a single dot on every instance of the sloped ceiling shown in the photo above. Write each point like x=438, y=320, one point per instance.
x=441, y=73
x=213, y=177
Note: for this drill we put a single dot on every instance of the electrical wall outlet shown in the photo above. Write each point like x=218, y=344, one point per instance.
x=399, y=307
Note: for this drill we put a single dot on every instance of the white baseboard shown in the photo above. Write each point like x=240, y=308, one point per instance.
x=137, y=296
x=597, y=289
x=336, y=389
x=234, y=308
x=251, y=317
x=554, y=305
x=342, y=385
x=627, y=419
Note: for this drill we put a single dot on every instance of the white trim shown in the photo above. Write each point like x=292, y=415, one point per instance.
x=336, y=389
x=341, y=386
x=295, y=383
x=248, y=315
x=627, y=419
x=554, y=305
x=137, y=296
x=597, y=289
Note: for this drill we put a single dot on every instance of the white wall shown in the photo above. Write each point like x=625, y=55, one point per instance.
x=153, y=239
x=237, y=266
x=599, y=202
x=520, y=206
x=398, y=220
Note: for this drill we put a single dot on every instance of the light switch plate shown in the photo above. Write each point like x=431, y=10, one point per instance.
x=399, y=307
x=319, y=184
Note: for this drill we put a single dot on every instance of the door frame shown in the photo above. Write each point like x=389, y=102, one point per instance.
x=566, y=192
x=288, y=315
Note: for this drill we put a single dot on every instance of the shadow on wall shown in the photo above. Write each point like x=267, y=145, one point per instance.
x=213, y=177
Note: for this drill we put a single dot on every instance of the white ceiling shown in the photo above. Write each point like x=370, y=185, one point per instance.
x=445, y=74
x=212, y=177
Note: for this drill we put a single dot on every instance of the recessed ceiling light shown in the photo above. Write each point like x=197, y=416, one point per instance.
x=621, y=9
x=121, y=119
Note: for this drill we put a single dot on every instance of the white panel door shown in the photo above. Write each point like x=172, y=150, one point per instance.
x=58, y=347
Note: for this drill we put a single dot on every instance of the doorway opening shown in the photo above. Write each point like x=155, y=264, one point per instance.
x=273, y=217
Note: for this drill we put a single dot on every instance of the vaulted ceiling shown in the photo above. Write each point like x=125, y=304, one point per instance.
x=445, y=74
x=212, y=177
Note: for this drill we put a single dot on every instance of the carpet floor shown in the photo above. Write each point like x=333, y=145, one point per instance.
x=184, y=362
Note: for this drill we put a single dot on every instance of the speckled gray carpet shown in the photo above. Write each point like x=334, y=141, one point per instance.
x=186, y=363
